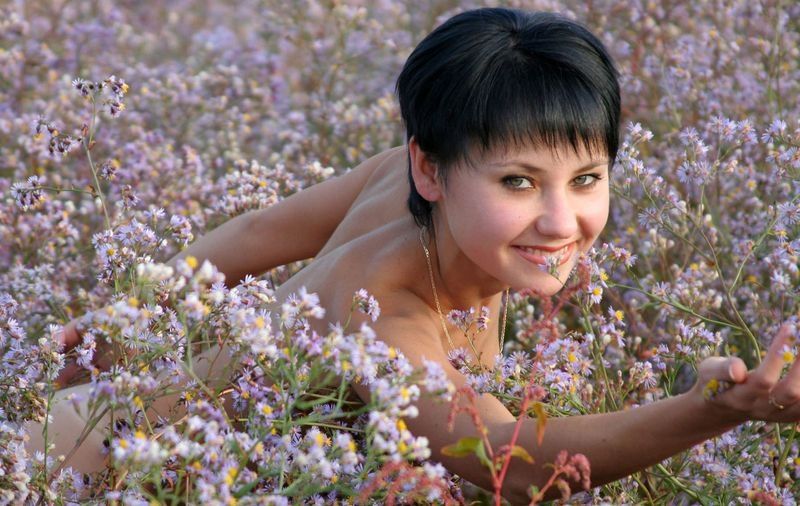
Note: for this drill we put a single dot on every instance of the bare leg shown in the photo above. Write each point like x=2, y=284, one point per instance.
x=86, y=452
x=65, y=430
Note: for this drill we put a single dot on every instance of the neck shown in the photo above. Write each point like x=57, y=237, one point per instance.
x=434, y=291
x=459, y=283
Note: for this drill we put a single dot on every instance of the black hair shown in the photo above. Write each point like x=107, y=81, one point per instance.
x=496, y=77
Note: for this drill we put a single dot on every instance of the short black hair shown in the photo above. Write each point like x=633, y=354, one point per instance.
x=496, y=77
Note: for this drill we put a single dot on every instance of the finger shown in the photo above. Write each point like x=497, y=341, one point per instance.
x=794, y=372
x=787, y=391
x=69, y=335
x=724, y=369
x=737, y=370
x=769, y=372
x=66, y=374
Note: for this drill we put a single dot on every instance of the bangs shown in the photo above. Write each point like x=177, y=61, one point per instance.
x=532, y=101
x=549, y=108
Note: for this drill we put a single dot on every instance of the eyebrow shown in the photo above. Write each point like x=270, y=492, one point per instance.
x=538, y=170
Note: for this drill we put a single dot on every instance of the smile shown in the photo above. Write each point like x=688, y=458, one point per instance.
x=540, y=256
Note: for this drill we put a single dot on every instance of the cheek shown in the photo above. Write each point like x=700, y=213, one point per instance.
x=595, y=218
x=481, y=219
x=496, y=219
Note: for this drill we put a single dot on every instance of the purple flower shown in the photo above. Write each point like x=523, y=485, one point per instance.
x=367, y=304
x=28, y=195
x=181, y=229
x=465, y=320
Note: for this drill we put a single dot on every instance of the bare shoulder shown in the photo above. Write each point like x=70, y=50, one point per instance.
x=380, y=200
x=317, y=211
x=353, y=182
x=407, y=324
x=386, y=160
x=408, y=329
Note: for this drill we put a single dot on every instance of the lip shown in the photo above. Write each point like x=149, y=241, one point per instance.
x=540, y=259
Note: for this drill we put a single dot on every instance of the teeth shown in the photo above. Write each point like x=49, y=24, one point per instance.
x=543, y=253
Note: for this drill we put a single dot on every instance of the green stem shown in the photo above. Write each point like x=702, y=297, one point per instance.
x=46, y=484
x=316, y=423
x=597, y=356
x=94, y=419
x=59, y=190
x=97, y=184
x=643, y=486
x=678, y=483
x=728, y=297
x=679, y=306
x=750, y=253
x=784, y=454
x=665, y=226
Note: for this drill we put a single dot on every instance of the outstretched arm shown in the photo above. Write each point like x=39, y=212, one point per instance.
x=616, y=444
x=294, y=229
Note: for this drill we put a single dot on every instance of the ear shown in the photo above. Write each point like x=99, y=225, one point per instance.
x=424, y=172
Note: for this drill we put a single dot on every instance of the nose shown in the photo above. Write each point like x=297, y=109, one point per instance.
x=557, y=217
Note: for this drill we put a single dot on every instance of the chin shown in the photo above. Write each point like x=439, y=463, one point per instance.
x=548, y=288
x=545, y=284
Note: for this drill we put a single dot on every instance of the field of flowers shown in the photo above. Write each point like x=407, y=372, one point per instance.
x=127, y=129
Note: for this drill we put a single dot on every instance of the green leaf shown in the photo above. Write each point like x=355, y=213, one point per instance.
x=465, y=446
x=481, y=453
x=541, y=421
x=468, y=446
x=518, y=451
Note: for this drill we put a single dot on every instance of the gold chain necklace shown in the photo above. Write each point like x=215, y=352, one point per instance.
x=439, y=307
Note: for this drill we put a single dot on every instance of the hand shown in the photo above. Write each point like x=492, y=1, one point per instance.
x=760, y=394
x=70, y=336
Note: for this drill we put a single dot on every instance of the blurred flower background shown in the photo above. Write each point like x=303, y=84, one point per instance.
x=127, y=129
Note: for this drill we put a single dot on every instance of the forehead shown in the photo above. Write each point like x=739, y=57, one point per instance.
x=539, y=157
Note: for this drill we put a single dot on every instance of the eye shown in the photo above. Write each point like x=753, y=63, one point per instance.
x=517, y=182
x=587, y=180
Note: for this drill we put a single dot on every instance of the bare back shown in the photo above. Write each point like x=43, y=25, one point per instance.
x=376, y=247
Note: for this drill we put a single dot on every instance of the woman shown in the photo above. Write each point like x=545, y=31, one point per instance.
x=512, y=127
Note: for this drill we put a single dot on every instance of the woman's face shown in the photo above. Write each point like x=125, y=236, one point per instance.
x=519, y=209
